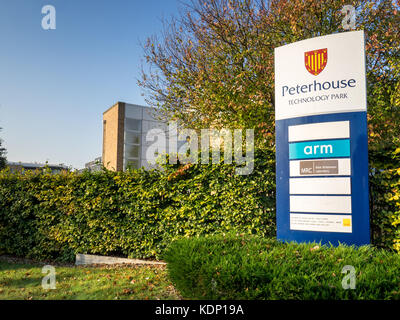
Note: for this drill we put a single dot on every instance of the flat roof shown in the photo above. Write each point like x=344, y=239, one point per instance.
x=36, y=165
x=127, y=104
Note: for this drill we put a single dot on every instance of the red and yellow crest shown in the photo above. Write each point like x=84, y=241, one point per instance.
x=316, y=60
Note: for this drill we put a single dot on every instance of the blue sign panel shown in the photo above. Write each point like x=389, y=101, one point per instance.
x=321, y=140
x=318, y=212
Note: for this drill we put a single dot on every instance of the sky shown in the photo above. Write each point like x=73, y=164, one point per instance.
x=55, y=84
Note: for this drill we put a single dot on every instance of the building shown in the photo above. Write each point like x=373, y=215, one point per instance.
x=128, y=139
x=125, y=127
x=24, y=166
x=95, y=165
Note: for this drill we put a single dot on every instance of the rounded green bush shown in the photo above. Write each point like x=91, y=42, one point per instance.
x=252, y=267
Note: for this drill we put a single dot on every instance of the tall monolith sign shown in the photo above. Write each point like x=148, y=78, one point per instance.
x=321, y=140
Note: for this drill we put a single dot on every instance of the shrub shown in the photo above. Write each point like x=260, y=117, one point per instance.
x=384, y=182
x=135, y=213
x=138, y=213
x=252, y=267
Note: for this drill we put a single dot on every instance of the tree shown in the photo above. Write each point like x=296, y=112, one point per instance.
x=3, y=160
x=213, y=66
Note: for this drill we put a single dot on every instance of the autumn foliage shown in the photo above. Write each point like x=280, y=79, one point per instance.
x=213, y=66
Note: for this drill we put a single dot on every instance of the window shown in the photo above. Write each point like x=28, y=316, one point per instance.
x=133, y=125
x=132, y=138
x=132, y=164
x=133, y=131
x=132, y=151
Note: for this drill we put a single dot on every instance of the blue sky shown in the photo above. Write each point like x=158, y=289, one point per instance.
x=55, y=84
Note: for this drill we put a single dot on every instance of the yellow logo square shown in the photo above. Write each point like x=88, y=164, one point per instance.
x=346, y=222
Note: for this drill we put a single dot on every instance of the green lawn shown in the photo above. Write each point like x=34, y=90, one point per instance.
x=23, y=280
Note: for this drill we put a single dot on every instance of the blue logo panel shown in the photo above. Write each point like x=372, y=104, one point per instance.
x=332, y=217
x=319, y=149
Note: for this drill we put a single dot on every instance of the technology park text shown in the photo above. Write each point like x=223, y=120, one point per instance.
x=317, y=86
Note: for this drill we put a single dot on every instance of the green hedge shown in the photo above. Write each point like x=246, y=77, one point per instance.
x=138, y=213
x=134, y=213
x=384, y=180
x=252, y=267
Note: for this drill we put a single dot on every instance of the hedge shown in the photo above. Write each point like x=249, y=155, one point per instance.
x=138, y=213
x=252, y=267
x=384, y=181
x=135, y=213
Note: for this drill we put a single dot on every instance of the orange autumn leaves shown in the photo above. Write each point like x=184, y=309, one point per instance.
x=213, y=66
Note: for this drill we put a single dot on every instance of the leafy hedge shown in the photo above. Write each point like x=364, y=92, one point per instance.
x=133, y=213
x=252, y=267
x=138, y=213
x=384, y=179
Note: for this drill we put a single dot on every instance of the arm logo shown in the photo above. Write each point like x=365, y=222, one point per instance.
x=316, y=60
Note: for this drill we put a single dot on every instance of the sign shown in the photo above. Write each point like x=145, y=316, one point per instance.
x=321, y=140
x=326, y=167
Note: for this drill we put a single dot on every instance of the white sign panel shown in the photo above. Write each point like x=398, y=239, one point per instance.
x=319, y=76
x=320, y=222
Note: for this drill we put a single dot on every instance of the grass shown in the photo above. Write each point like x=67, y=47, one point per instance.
x=20, y=279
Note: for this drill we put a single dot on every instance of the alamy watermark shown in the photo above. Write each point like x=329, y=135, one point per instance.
x=194, y=148
x=49, y=20
x=49, y=281
x=349, y=280
x=349, y=20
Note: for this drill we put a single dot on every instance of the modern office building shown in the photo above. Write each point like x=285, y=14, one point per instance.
x=25, y=166
x=125, y=127
x=94, y=165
